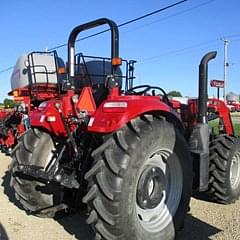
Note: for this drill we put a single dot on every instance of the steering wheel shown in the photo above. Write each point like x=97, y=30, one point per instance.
x=133, y=90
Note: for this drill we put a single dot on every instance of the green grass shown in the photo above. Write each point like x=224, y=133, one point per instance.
x=237, y=129
x=235, y=114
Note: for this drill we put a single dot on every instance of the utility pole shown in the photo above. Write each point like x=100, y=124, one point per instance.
x=226, y=42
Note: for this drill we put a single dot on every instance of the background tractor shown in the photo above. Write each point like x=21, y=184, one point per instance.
x=10, y=129
x=36, y=78
x=128, y=153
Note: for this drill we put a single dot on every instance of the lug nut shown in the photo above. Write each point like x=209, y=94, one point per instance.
x=58, y=178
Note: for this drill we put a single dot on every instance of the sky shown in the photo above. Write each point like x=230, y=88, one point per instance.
x=167, y=46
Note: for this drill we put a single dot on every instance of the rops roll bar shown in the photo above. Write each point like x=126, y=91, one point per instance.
x=73, y=35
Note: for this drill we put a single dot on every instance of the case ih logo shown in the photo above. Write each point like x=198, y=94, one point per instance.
x=217, y=83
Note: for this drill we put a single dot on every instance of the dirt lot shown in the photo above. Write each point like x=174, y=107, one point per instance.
x=205, y=221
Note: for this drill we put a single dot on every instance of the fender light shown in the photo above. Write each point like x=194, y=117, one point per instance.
x=51, y=119
x=115, y=107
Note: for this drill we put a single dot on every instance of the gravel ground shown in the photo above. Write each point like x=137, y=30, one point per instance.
x=204, y=221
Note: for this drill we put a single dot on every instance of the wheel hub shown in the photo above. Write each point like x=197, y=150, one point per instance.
x=235, y=171
x=150, y=187
x=158, y=190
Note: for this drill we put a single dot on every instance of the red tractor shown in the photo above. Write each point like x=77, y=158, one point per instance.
x=4, y=140
x=235, y=105
x=218, y=110
x=36, y=78
x=127, y=154
x=3, y=114
x=10, y=127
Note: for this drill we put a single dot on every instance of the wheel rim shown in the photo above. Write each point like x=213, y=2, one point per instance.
x=235, y=171
x=158, y=190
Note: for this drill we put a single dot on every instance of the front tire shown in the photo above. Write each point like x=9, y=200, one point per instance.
x=140, y=183
x=224, y=181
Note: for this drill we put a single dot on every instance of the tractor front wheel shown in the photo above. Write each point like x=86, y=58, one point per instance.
x=140, y=182
x=224, y=181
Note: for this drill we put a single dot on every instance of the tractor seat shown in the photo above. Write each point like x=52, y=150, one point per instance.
x=94, y=73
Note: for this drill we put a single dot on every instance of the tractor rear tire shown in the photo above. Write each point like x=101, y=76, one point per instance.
x=140, y=183
x=224, y=179
x=34, y=148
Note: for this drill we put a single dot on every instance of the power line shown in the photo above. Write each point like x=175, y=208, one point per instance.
x=237, y=35
x=120, y=25
x=145, y=16
x=152, y=13
x=156, y=57
x=124, y=23
x=140, y=18
x=173, y=15
x=6, y=69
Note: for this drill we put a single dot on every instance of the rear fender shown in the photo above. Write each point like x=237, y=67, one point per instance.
x=48, y=117
x=114, y=114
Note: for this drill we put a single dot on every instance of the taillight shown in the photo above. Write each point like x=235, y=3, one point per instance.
x=61, y=70
x=51, y=119
x=15, y=93
x=116, y=61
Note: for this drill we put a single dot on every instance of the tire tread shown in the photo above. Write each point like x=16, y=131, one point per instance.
x=221, y=148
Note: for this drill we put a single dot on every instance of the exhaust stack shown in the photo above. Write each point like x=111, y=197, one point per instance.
x=203, y=87
x=199, y=138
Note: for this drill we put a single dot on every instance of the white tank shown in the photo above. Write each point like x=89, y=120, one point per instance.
x=19, y=78
x=41, y=69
